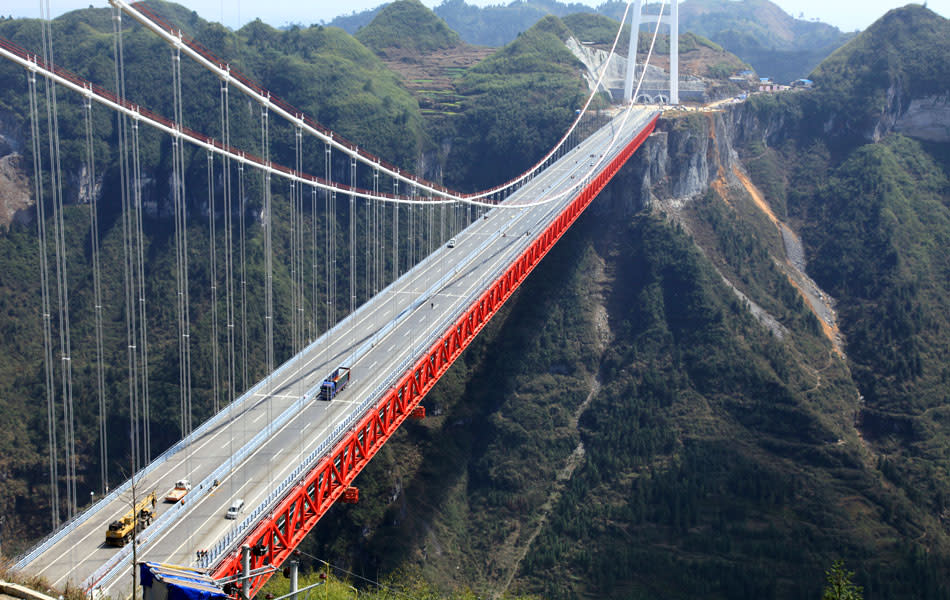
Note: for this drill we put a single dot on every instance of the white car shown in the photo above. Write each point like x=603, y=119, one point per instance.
x=452, y=243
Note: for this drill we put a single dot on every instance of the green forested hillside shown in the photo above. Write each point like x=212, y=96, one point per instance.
x=516, y=105
x=407, y=24
x=901, y=56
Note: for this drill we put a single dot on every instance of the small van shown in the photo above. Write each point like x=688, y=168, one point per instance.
x=236, y=508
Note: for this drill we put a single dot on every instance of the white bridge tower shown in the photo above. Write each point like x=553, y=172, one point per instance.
x=673, y=21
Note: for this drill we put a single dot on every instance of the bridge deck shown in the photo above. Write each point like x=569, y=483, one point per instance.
x=385, y=334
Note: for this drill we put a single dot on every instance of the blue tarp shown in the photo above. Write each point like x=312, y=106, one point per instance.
x=171, y=582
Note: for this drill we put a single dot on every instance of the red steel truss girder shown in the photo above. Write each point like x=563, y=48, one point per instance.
x=282, y=529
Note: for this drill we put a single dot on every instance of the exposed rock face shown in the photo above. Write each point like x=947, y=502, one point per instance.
x=686, y=156
x=16, y=196
x=926, y=119
x=674, y=164
x=594, y=59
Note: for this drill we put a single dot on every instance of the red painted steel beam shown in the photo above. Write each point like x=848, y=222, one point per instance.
x=278, y=533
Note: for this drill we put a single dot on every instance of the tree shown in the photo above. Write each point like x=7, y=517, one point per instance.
x=840, y=586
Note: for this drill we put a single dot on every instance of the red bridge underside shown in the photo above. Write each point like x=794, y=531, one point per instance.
x=276, y=536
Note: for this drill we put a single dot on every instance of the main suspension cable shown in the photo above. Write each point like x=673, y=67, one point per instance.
x=292, y=115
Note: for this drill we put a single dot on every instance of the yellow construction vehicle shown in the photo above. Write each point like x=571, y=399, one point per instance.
x=120, y=531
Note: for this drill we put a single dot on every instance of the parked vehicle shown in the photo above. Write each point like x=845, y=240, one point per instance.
x=335, y=383
x=120, y=531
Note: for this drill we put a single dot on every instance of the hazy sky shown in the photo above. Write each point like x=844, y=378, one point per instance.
x=846, y=14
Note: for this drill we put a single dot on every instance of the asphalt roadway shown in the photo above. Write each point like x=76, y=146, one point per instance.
x=482, y=252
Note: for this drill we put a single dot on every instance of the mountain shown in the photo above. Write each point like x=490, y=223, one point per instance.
x=515, y=105
x=762, y=34
x=893, y=77
x=757, y=31
x=427, y=56
x=407, y=24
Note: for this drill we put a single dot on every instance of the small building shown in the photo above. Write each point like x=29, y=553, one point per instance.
x=767, y=85
x=803, y=83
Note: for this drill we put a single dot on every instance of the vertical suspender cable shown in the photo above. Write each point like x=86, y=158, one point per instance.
x=59, y=233
x=367, y=237
x=377, y=238
x=314, y=324
x=127, y=249
x=228, y=242
x=182, y=250
x=352, y=237
x=97, y=296
x=301, y=296
x=213, y=256
x=268, y=248
x=45, y=307
x=293, y=268
x=269, y=264
x=395, y=233
x=140, y=269
x=241, y=226
x=328, y=231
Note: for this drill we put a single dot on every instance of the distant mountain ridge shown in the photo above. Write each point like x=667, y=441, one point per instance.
x=757, y=31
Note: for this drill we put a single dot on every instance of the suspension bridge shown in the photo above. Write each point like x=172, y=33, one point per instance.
x=287, y=453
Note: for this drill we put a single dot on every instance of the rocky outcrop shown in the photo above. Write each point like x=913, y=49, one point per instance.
x=686, y=156
x=679, y=161
x=16, y=195
x=926, y=119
